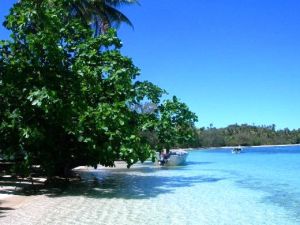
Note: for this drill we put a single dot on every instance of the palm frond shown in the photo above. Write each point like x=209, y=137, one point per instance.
x=102, y=14
x=117, y=3
x=116, y=17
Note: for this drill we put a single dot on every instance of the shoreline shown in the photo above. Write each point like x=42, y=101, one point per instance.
x=229, y=147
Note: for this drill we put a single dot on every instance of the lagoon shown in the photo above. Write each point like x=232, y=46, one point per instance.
x=258, y=186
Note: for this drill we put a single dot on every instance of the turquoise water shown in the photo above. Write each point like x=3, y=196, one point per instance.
x=259, y=186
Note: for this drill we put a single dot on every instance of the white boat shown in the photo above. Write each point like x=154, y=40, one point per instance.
x=236, y=150
x=174, y=158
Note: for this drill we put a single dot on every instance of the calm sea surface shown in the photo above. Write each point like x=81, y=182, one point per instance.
x=259, y=186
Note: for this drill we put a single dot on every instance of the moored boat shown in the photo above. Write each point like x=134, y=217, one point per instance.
x=236, y=150
x=174, y=158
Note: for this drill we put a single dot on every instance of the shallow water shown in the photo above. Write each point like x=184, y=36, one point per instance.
x=259, y=186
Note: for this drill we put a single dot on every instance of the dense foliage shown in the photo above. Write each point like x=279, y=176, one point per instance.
x=244, y=134
x=69, y=98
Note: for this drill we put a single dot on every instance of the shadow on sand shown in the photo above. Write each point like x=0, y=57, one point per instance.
x=4, y=209
x=135, y=183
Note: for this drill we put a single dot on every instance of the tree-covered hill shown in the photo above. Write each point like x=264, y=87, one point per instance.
x=244, y=134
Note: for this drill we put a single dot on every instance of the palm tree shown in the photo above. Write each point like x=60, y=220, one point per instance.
x=101, y=14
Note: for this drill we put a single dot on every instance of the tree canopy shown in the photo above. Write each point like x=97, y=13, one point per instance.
x=69, y=98
x=175, y=124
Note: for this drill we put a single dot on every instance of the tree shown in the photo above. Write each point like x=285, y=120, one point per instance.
x=69, y=98
x=101, y=14
x=65, y=96
x=175, y=124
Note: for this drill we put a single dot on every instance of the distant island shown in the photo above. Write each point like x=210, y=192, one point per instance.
x=244, y=134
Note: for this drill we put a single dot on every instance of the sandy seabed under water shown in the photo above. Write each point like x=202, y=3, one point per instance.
x=214, y=188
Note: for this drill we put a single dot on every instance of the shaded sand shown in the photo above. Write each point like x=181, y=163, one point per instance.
x=19, y=196
x=15, y=192
x=10, y=201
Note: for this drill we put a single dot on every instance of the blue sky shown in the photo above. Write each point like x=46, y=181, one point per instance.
x=231, y=61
